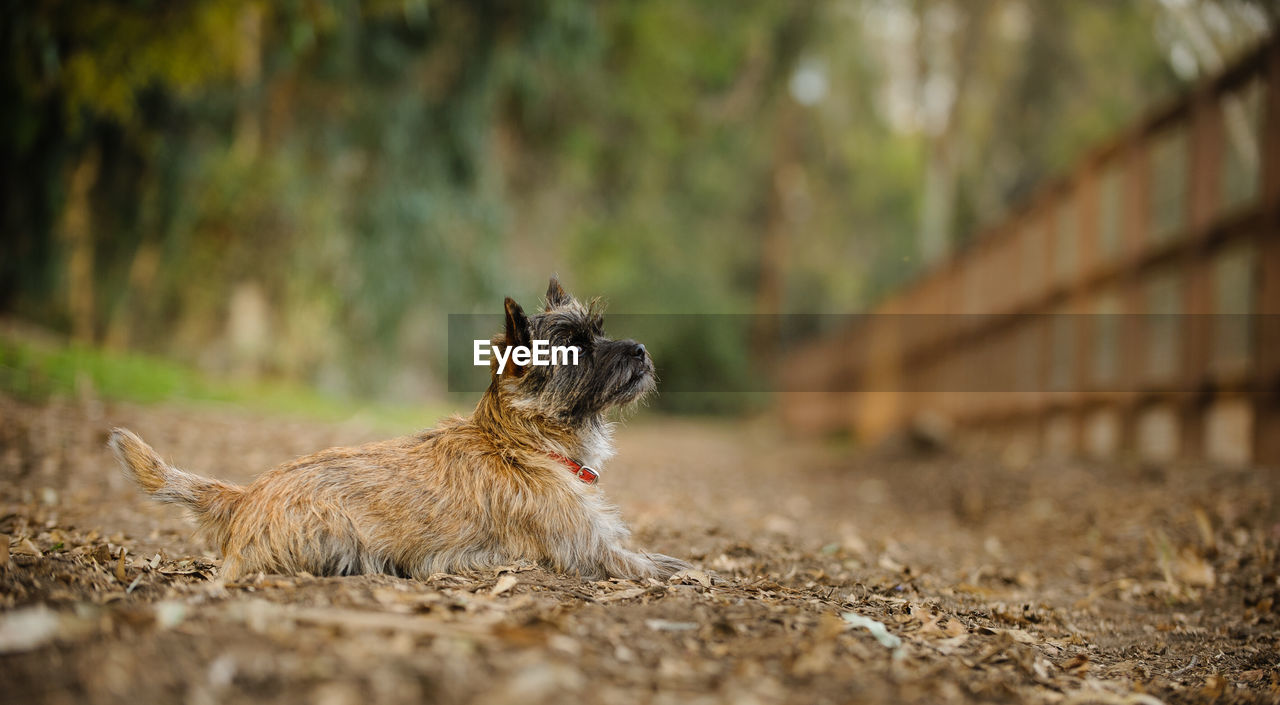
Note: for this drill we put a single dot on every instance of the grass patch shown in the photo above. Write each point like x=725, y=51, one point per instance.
x=37, y=371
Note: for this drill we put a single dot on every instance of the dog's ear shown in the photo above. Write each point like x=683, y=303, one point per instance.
x=517, y=324
x=516, y=333
x=555, y=294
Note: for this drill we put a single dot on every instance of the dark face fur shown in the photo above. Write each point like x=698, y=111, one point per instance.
x=609, y=373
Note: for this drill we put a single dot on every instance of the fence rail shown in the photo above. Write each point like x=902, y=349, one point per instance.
x=1178, y=216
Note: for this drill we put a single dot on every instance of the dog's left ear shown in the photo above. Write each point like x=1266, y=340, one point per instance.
x=517, y=324
x=555, y=294
x=516, y=333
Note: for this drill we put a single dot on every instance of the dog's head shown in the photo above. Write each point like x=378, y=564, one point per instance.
x=608, y=373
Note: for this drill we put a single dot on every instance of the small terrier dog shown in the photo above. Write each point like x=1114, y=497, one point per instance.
x=512, y=481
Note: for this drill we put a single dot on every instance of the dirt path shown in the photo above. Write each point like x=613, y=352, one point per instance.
x=1050, y=582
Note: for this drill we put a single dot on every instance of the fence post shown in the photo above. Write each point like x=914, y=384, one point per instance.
x=1266, y=353
x=1203, y=166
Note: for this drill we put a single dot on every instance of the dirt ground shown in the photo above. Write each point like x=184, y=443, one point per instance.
x=825, y=576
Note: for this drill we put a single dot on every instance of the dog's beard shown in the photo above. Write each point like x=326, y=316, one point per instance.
x=625, y=386
x=636, y=385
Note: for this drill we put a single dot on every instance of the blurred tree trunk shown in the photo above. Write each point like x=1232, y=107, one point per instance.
x=939, y=207
x=785, y=185
x=143, y=269
x=949, y=59
x=248, y=130
x=770, y=286
x=77, y=236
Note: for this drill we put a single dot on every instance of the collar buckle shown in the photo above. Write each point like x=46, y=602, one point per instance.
x=582, y=472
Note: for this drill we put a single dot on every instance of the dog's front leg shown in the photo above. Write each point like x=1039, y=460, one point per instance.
x=667, y=565
x=589, y=538
x=603, y=554
x=637, y=565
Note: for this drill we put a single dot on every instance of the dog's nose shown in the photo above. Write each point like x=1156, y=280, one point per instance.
x=638, y=351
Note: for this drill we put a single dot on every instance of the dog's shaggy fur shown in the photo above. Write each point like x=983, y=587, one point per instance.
x=474, y=493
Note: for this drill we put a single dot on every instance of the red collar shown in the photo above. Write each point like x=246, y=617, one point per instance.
x=582, y=472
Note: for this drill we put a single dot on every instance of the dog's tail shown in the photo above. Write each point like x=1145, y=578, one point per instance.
x=212, y=501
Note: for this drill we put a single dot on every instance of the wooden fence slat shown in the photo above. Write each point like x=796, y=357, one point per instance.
x=1141, y=226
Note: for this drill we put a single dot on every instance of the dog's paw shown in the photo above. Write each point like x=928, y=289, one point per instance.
x=667, y=566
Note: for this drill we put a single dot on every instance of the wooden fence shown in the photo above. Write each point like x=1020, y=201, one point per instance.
x=1130, y=308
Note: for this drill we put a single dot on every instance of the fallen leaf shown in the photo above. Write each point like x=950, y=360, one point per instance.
x=877, y=629
x=623, y=595
x=1021, y=636
x=520, y=567
x=1214, y=686
x=185, y=570
x=932, y=627
x=445, y=579
x=890, y=565
x=690, y=577
x=1256, y=674
x=1076, y=665
x=25, y=547
x=1193, y=569
x=505, y=583
x=664, y=625
x=949, y=646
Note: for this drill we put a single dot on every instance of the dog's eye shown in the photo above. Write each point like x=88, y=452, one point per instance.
x=570, y=338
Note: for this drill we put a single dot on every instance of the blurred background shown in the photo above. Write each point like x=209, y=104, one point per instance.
x=229, y=199
x=860, y=238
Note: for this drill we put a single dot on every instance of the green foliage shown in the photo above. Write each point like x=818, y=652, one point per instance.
x=39, y=371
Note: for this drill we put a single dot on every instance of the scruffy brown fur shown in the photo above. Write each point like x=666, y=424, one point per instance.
x=476, y=492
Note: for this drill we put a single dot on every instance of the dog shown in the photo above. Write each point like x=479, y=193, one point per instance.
x=515, y=480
